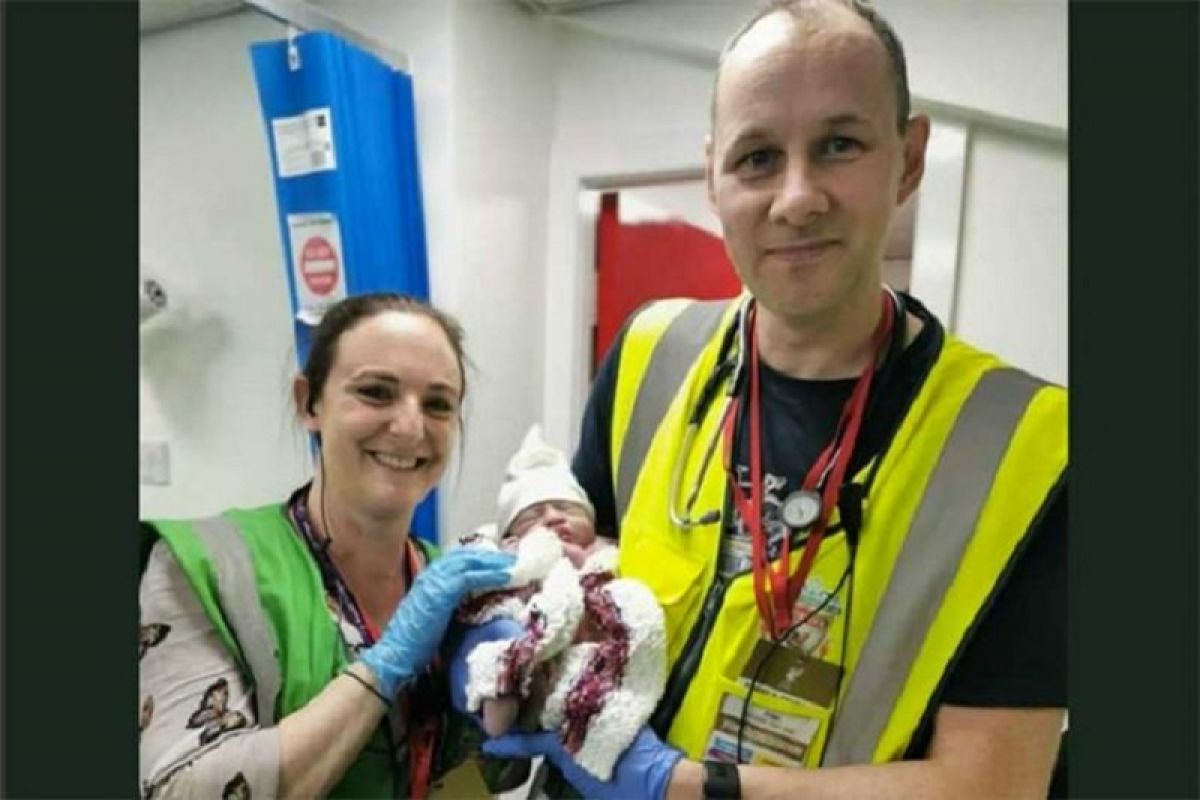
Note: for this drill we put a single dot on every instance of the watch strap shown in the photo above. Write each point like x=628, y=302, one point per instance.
x=721, y=781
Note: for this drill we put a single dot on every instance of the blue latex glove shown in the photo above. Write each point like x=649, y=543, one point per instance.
x=499, y=628
x=413, y=634
x=643, y=770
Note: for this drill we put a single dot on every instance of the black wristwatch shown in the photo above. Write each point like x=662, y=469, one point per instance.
x=721, y=781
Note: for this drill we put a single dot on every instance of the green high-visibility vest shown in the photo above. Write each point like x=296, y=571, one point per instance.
x=262, y=592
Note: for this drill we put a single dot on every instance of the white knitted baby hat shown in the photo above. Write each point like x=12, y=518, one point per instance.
x=537, y=472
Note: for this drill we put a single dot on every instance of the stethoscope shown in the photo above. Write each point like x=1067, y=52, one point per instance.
x=801, y=507
x=730, y=364
x=806, y=508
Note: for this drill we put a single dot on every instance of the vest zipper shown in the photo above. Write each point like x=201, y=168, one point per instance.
x=689, y=660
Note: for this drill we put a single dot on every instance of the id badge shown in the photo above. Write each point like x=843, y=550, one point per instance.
x=784, y=722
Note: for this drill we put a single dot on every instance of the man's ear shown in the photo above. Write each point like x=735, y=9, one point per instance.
x=300, y=392
x=708, y=173
x=916, y=138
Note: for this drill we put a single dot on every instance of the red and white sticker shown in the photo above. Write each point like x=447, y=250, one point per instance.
x=319, y=265
x=318, y=262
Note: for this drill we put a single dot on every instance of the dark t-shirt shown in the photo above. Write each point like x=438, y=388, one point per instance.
x=1016, y=656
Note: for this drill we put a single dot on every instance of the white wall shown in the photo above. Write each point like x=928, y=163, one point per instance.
x=1006, y=57
x=503, y=98
x=1012, y=286
x=215, y=366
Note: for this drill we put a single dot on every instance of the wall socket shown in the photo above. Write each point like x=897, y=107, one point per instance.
x=154, y=463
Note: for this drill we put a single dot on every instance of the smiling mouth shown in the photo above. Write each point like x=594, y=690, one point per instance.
x=801, y=252
x=396, y=463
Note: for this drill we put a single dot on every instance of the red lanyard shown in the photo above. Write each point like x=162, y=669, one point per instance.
x=774, y=592
x=422, y=736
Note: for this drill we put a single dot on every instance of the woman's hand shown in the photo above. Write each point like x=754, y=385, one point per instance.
x=414, y=632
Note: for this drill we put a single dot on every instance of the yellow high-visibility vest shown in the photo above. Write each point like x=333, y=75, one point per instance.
x=971, y=466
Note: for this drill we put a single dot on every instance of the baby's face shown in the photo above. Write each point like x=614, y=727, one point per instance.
x=569, y=520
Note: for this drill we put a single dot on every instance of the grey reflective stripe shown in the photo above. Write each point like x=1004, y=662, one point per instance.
x=673, y=355
x=238, y=592
x=941, y=529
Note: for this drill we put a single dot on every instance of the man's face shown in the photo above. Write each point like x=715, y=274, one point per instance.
x=805, y=164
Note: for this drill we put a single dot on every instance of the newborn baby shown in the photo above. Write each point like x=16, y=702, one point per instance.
x=569, y=519
x=591, y=663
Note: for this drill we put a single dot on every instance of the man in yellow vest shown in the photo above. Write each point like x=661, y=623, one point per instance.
x=854, y=521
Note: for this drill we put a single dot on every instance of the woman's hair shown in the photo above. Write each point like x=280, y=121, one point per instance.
x=344, y=315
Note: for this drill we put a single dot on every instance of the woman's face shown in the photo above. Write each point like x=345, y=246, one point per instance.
x=388, y=414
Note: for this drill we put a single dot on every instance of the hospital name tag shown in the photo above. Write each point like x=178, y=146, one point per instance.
x=769, y=738
x=792, y=674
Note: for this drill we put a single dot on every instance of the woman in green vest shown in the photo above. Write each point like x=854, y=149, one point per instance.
x=292, y=650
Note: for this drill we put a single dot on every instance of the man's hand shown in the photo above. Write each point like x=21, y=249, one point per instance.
x=643, y=770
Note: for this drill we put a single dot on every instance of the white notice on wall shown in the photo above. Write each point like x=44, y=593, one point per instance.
x=304, y=144
x=317, y=262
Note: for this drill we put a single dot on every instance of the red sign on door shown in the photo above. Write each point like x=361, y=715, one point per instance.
x=319, y=265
